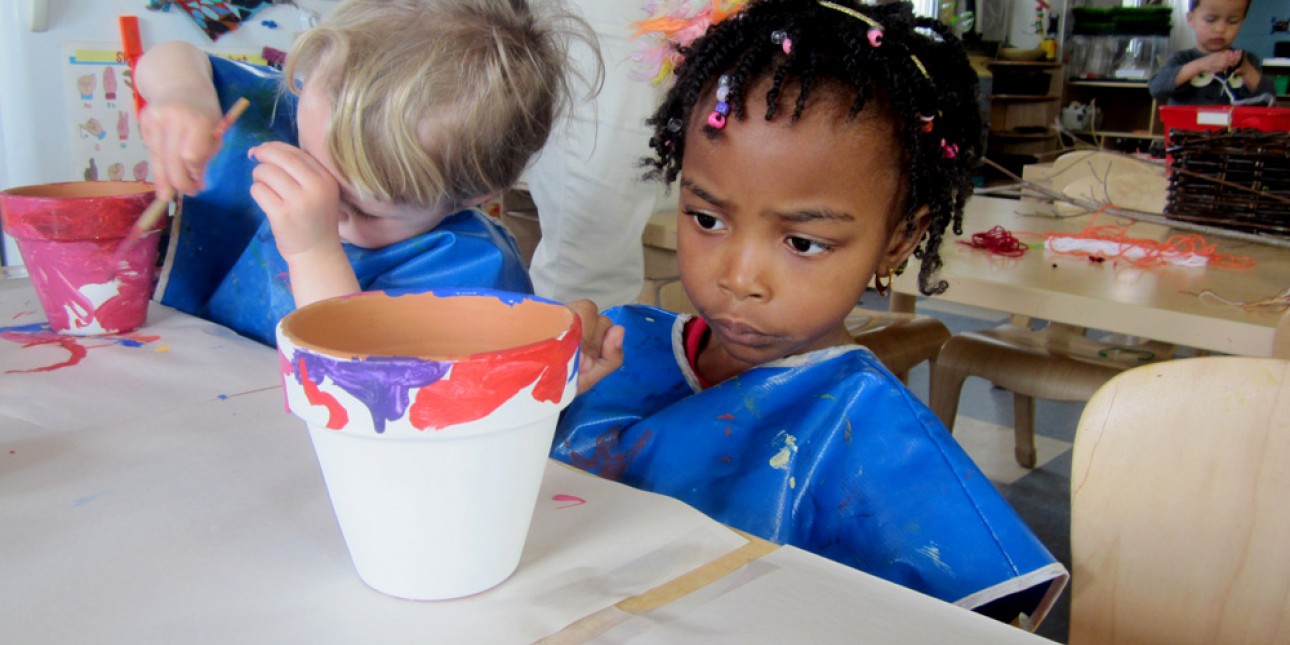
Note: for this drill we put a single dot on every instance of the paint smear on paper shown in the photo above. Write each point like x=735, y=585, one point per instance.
x=40, y=334
x=571, y=499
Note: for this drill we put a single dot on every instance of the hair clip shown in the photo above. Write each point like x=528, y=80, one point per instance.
x=875, y=30
x=780, y=37
x=719, y=113
x=949, y=150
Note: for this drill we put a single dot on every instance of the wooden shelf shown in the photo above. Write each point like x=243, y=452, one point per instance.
x=1105, y=83
x=1118, y=135
x=1024, y=97
x=1021, y=116
x=1126, y=109
x=1038, y=64
x=1013, y=134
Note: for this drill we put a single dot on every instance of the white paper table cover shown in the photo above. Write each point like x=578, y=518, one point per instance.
x=792, y=596
x=192, y=510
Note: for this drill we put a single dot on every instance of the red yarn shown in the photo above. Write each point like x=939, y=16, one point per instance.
x=997, y=241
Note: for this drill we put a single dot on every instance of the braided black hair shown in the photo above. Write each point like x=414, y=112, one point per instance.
x=918, y=70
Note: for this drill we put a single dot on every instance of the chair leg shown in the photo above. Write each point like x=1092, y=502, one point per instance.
x=1023, y=425
x=947, y=376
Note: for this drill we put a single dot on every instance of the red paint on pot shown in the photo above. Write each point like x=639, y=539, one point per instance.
x=475, y=388
x=68, y=235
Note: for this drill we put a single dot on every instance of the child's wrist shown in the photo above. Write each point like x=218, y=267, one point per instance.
x=315, y=257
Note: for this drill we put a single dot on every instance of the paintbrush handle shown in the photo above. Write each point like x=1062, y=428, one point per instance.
x=231, y=116
x=150, y=215
x=158, y=206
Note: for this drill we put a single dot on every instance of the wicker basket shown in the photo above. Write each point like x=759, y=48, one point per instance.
x=1209, y=168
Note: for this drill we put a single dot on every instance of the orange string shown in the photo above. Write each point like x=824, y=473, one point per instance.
x=1153, y=253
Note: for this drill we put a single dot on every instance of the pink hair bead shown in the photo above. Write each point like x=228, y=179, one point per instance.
x=717, y=120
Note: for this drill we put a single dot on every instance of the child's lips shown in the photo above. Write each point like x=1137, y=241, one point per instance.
x=741, y=333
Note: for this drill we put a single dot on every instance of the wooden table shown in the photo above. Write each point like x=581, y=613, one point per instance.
x=1158, y=303
x=153, y=489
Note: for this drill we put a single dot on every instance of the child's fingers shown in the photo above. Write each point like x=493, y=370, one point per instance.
x=607, y=356
x=269, y=200
x=602, y=345
x=300, y=165
x=196, y=149
x=611, y=349
x=180, y=145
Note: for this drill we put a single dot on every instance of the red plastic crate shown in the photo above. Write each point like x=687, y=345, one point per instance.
x=1221, y=117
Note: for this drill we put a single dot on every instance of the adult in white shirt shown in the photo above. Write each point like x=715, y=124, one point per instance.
x=586, y=183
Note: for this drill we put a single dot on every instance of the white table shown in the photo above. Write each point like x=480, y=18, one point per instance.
x=157, y=491
x=1157, y=303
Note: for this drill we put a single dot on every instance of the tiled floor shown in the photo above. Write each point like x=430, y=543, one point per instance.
x=984, y=429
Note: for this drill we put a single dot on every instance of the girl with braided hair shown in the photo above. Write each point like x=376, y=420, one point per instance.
x=818, y=145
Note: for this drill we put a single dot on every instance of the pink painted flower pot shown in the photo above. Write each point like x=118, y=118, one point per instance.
x=68, y=235
x=432, y=417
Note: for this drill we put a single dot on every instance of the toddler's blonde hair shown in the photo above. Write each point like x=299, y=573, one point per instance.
x=438, y=102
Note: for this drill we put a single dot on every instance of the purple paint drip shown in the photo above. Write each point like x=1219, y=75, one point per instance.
x=383, y=384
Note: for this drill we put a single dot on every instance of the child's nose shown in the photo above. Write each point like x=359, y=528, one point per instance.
x=742, y=273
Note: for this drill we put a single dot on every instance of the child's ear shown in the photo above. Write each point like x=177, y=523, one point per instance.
x=477, y=200
x=903, y=241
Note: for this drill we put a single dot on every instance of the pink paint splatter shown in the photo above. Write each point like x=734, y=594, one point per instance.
x=574, y=501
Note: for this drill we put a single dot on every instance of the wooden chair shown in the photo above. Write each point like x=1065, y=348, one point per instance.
x=1057, y=362
x=1180, y=519
x=1281, y=339
x=901, y=341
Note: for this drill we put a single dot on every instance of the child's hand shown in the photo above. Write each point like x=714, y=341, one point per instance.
x=300, y=197
x=179, y=124
x=302, y=200
x=180, y=137
x=1248, y=73
x=602, y=345
x=1219, y=62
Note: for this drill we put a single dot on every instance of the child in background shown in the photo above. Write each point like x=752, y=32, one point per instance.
x=818, y=144
x=409, y=112
x=1213, y=72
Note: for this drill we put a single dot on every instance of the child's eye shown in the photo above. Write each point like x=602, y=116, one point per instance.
x=705, y=221
x=803, y=246
x=354, y=211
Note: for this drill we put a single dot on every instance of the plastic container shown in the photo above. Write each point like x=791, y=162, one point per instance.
x=1222, y=117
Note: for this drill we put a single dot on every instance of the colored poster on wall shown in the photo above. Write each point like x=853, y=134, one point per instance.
x=106, y=144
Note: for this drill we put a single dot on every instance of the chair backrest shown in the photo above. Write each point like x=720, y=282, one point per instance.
x=1180, y=519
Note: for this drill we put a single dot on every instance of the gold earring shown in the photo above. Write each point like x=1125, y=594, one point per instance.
x=883, y=288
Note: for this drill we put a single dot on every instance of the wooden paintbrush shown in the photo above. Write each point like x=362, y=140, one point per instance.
x=158, y=206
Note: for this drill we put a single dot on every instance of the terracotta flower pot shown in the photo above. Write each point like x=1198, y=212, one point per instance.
x=432, y=417
x=68, y=235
